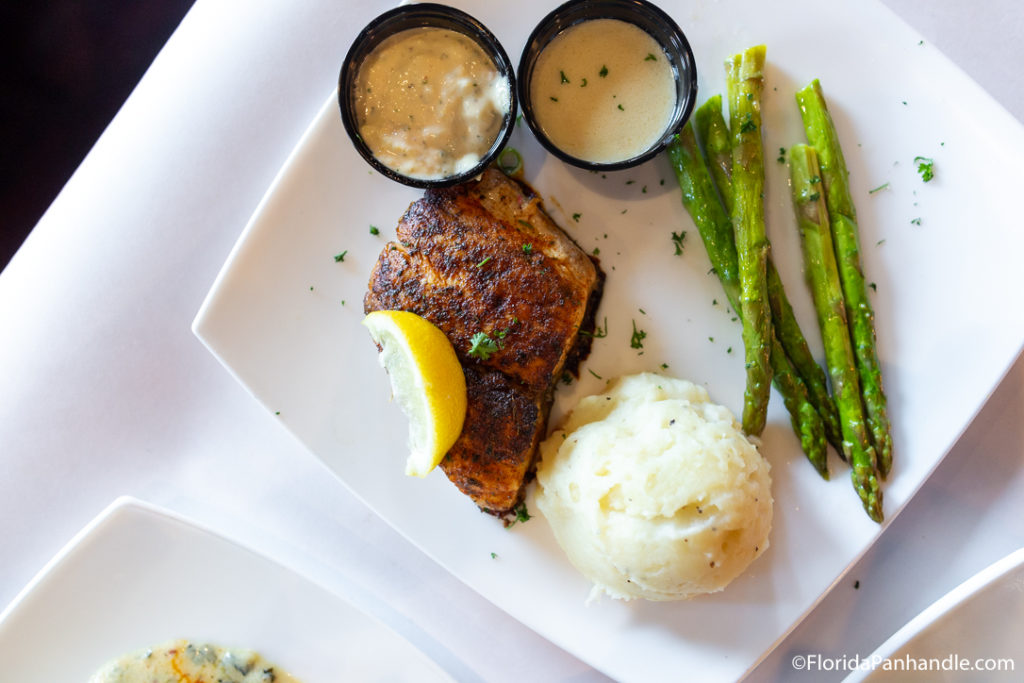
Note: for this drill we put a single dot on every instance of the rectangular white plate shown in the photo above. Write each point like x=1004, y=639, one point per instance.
x=283, y=317
x=137, y=576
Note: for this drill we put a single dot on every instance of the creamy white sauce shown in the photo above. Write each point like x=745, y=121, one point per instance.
x=184, y=662
x=430, y=102
x=603, y=90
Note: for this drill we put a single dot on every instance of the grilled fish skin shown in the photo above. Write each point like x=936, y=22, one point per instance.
x=485, y=257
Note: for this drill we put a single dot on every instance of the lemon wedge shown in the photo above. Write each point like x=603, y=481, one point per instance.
x=427, y=381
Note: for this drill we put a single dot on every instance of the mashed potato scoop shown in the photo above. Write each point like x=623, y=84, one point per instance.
x=654, y=492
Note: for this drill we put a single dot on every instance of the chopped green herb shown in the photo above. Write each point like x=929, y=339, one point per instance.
x=729, y=350
x=554, y=99
x=925, y=167
x=879, y=188
x=650, y=57
x=374, y=230
x=630, y=182
x=583, y=83
x=916, y=221
x=566, y=378
x=594, y=374
x=603, y=72
x=879, y=242
x=596, y=251
x=873, y=286
x=576, y=217
x=527, y=248
x=494, y=556
x=482, y=346
x=340, y=257
x=522, y=514
x=598, y=332
x=621, y=108
x=525, y=224
x=637, y=340
x=664, y=366
x=815, y=196
x=711, y=339
x=677, y=240
x=483, y=263
x=748, y=125
x=564, y=79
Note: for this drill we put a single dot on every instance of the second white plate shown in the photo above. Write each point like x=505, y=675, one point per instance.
x=138, y=576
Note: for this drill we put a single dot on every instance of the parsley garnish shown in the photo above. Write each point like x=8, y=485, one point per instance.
x=583, y=84
x=925, y=167
x=576, y=217
x=879, y=188
x=598, y=332
x=650, y=57
x=916, y=221
x=338, y=258
x=621, y=108
x=483, y=263
x=748, y=125
x=482, y=346
x=637, y=341
x=603, y=72
x=677, y=240
x=594, y=374
x=564, y=79
x=522, y=514
x=527, y=248
x=374, y=230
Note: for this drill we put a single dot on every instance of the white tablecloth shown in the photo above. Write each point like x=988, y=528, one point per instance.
x=106, y=392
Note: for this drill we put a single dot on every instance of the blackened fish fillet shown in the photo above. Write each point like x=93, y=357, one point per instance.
x=485, y=257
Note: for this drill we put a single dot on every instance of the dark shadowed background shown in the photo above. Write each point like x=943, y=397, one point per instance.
x=68, y=66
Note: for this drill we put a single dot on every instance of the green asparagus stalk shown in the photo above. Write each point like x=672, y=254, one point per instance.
x=823, y=276
x=821, y=134
x=787, y=329
x=713, y=139
x=745, y=80
x=702, y=202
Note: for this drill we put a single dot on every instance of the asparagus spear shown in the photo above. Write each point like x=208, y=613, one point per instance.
x=787, y=329
x=745, y=81
x=821, y=134
x=830, y=306
x=713, y=137
x=709, y=215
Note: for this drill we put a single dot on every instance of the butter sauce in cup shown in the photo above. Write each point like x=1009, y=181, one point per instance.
x=605, y=84
x=427, y=95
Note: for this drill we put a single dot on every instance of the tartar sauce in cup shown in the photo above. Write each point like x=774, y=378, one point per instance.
x=430, y=103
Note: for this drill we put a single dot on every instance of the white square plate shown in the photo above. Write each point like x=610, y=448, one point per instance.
x=138, y=576
x=283, y=317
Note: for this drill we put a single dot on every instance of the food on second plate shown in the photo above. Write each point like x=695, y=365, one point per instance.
x=654, y=492
x=182, y=661
x=484, y=263
x=603, y=91
x=427, y=381
x=430, y=103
